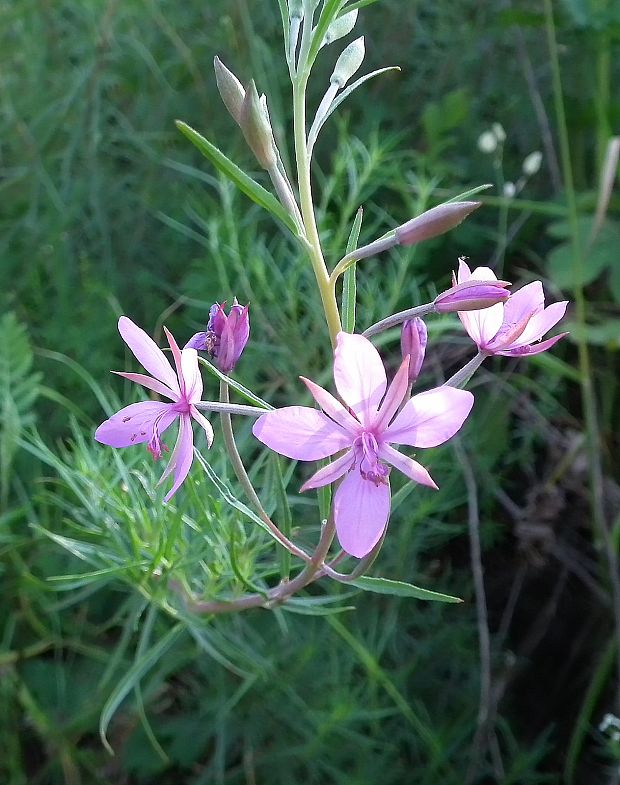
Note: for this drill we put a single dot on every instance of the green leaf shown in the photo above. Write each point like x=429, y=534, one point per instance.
x=467, y=194
x=342, y=97
x=242, y=180
x=243, y=391
x=357, y=5
x=131, y=679
x=229, y=496
x=349, y=288
x=400, y=589
x=331, y=9
x=285, y=518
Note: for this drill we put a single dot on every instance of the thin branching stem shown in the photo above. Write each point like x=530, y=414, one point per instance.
x=242, y=476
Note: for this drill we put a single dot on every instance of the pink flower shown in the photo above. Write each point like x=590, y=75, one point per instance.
x=512, y=327
x=226, y=336
x=366, y=427
x=147, y=420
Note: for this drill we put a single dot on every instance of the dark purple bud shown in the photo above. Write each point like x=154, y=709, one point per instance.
x=413, y=339
x=226, y=335
x=472, y=295
x=434, y=222
x=198, y=341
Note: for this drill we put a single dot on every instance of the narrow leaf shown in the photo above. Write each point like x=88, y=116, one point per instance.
x=466, y=194
x=242, y=180
x=229, y=496
x=331, y=9
x=342, y=97
x=358, y=4
x=284, y=516
x=243, y=391
x=400, y=589
x=349, y=287
x=132, y=678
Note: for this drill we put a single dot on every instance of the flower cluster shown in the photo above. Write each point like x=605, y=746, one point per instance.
x=362, y=425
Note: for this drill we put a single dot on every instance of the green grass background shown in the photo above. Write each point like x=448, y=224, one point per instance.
x=107, y=209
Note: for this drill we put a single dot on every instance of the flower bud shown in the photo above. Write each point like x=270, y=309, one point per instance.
x=434, y=222
x=226, y=336
x=348, y=62
x=472, y=295
x=413, y=338
x=532, y=163
x=340, y=27
x=230, y=88
x=254, y=122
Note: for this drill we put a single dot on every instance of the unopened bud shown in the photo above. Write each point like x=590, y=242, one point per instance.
x=348, y=62
x=434, y=222
x=532, y=163
x=256, y=127
x=413, y=338
x=472, y=295
x=225, y=337
x=340, y=27
x=230, y=88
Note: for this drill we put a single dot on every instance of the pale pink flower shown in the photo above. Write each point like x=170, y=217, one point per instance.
x=366, y=428
x=147, y=420
x=511, y=328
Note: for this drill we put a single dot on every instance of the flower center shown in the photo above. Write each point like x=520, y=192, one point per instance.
x=182, y=406
x=155, y=445
x=366, y=453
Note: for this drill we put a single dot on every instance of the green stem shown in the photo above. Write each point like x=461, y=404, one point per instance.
x=398, y=318
x=327, y=289
x=242, y=476
x=460, y=378
x=279, y=594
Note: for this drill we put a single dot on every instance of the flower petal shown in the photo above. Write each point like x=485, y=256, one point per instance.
x=536, y=348
x=134, y=424
x=410, y=468
x=525, y=302
x=361, y=513
x=204, y=423
x=464, y=273
x=147, y=352
x=481, y=325
x=176, y=353
x=430, y=418
x=191, y=374
x=330, y=473
x=181, y=458
x=332, y=407
x=541, y=323
x=148, y=381
x=393, y=397
x=301, y=433
x=359, y=375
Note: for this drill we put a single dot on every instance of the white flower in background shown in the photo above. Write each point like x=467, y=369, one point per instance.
x=510, y=190
x=531, y=164
x=498, y=130
x=487, y=142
